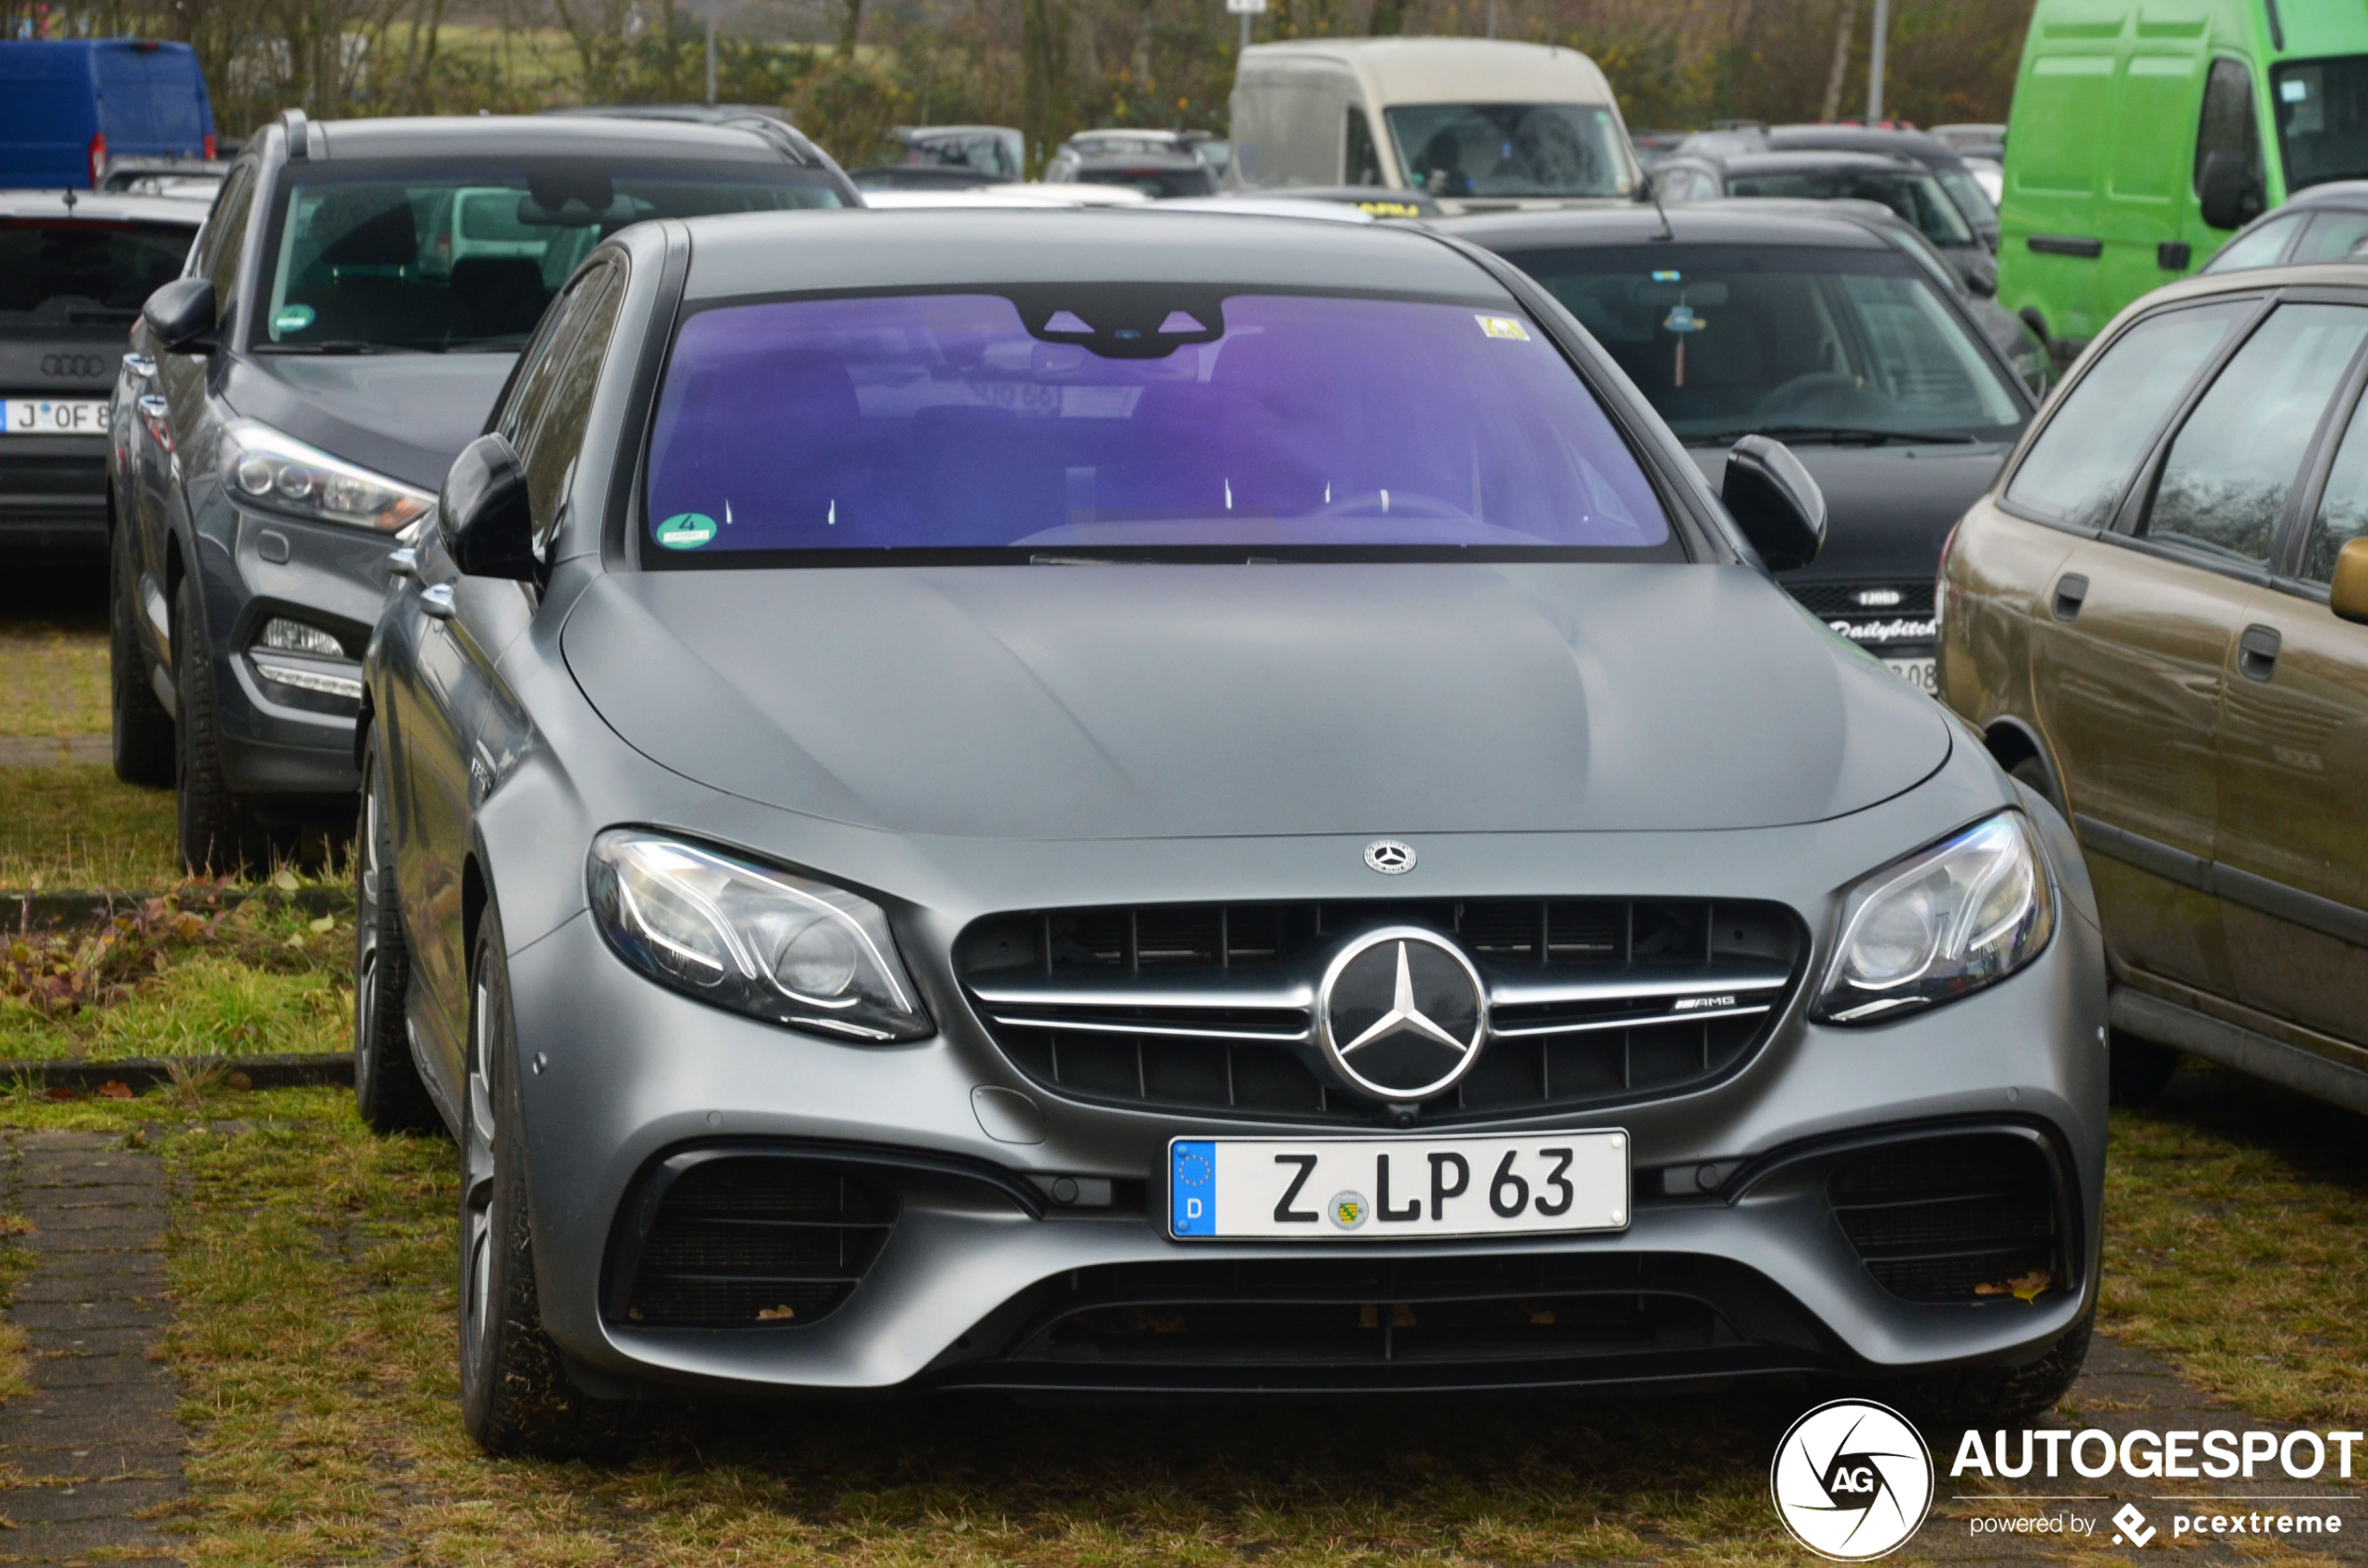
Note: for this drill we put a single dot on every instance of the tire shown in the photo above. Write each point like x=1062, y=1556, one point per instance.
x=143, y=730
x=216, y=837
x=2032, y=775
x=2136, y=1071
x=387, y=1087
x=515, y=1397
x=1991, y=1397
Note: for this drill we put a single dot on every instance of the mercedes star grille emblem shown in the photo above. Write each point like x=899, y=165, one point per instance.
x=1391, y=857
x=1402, y=1013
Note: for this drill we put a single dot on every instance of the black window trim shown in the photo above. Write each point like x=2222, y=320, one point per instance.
x=2142, y=474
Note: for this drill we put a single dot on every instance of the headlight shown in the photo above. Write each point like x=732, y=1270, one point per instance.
x=751, y=938
x=265, y=468
x=1948, y=920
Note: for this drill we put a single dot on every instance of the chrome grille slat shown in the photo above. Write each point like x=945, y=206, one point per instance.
x=1589, y=1026
x=1148, y=1027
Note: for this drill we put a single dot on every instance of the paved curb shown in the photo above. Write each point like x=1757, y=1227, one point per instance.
x=149, y=1072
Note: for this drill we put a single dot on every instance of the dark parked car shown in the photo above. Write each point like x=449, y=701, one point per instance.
x=1155, y=174
x=1073, y=800
x=1903, y=185
x=2159, y=620
x=1825, y=330
x=73, y=272
x=2318, y=223
x=1947, y=164
x=354, y=305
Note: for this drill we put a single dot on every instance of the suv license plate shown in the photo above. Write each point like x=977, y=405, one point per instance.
x=1919, y=673
x=1384, y=1188
x=68, y=416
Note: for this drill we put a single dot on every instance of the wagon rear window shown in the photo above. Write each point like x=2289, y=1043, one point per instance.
x=1126, y=420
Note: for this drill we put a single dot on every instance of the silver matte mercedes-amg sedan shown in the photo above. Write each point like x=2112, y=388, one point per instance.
x=1172, y=803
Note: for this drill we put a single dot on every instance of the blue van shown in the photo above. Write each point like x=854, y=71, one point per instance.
x=67, y=106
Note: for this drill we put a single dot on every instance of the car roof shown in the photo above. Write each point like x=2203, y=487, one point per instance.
x=2333, y=193
x=774, y=252
x=1807, y=159
x=1917, y=144
x=101, y=207
x=1707, y=223
x=589, y=135
x=2253, y=279
x=1147, y=159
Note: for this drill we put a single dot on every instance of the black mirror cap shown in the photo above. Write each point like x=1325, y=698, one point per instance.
x=2227, y=195
x=1981, y=283
x=182, y=316
x=483, y=514
x=1774, y=501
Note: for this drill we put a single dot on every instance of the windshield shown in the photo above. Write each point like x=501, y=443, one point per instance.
x=1914, y=197
x=1152, y=180
x=55, y=271
x=1972, y=202
x=2322, y=119
x=1730, y=340
x=1133, y=420
x=448, y=258
x=1510, y=149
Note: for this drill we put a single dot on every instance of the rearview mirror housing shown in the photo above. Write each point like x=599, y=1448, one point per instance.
x=1774, y=501
x=182, y=315
x=483, y=514
x=2227, y=195
x=2348, y=594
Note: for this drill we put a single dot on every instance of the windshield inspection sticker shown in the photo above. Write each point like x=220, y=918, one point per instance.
x=686, y=531
x=292, y=318
x=1503, y=326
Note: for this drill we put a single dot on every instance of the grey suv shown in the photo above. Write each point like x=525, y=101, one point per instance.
x=353, y=305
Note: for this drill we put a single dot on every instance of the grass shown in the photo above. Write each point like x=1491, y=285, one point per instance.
x=52, y=681
x=79, y=826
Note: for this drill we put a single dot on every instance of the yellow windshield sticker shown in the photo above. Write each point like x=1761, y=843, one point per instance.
x=1503, y=326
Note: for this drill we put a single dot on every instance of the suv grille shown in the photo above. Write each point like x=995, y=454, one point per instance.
x=1211, y=1007
x=747, y=1241
x=1957, y=1219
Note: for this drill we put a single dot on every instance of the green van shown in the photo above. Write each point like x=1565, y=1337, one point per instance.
x=2144, y=130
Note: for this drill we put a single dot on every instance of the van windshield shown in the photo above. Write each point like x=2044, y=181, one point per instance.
x=1061, y=422
x=437, y=258
x=1510, y=149
x=81, y=271
x=2322, y=119
x=1799, y=342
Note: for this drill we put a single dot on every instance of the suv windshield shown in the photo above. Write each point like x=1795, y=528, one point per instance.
x=1510, y=149
x=1059, y=422
x=1914, y=196
x=1728, y=340
x=2322, y=119
x=430, y=259
x=55, y=271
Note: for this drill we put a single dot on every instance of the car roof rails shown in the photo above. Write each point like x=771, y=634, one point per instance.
x=300, y=131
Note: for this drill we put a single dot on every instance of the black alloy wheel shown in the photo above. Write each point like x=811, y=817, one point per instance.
x=388, y=1089
x=216, y=837
x=143, y=730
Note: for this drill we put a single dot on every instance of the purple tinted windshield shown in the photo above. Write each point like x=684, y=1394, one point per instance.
x=942, y=422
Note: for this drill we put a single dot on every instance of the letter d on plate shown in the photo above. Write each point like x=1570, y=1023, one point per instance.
x=1192, y=1189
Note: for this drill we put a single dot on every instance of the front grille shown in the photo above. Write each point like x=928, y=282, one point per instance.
x=1211, y=1007
x=741, y=1240
x=1320, y=1312
x=1841, y=601
x=1963, y=1218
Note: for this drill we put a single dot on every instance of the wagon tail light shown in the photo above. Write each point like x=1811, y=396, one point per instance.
x=208, y=146
x=98, y=157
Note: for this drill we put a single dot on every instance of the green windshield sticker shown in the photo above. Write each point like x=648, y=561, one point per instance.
x=292, y=318
x=686, y=531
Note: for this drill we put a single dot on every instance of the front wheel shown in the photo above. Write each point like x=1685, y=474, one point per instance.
x=216, y=837
x=515, y=1397
x=143, y=730
x=387, y=1087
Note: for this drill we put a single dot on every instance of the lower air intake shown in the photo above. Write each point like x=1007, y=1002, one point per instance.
x=722, y=1241
x=1970, y=1217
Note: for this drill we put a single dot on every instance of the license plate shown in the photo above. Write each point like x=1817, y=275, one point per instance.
x=63, y=416
x=1919, y=673
x=1386, y=1188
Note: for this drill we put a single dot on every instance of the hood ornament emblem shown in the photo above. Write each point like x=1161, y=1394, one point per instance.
x=1391, y=857
x=1401, y=1015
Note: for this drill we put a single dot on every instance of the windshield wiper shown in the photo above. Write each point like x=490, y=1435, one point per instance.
x=1839, y=435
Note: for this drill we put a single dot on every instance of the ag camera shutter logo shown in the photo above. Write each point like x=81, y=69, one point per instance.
x=1852, y=1480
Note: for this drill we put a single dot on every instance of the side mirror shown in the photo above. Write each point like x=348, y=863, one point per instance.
x=2227, y=194
x=182, y=316
x=1981, y=283
x=1773, y=500
x=483, y=514
x=2348, y=594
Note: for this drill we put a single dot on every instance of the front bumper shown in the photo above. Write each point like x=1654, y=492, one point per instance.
x=981, y=1264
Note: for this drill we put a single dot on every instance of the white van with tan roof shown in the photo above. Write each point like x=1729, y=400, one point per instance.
x=1478, y=124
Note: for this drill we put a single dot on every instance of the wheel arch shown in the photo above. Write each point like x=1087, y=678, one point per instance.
x=2011, y=742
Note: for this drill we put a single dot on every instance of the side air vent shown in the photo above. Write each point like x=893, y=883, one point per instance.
x=715, y=1240
x=1968, y=1218
x=1211, y=1007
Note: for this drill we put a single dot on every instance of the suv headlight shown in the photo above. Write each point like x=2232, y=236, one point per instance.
x=263, y=467
x=1944, y=921
x=757, y=940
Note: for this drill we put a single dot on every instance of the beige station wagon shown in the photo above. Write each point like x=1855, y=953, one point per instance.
x=2158, y=618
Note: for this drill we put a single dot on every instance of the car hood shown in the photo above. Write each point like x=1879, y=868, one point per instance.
x=407, y=415
x=1184, y=701
x=1888, y=509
